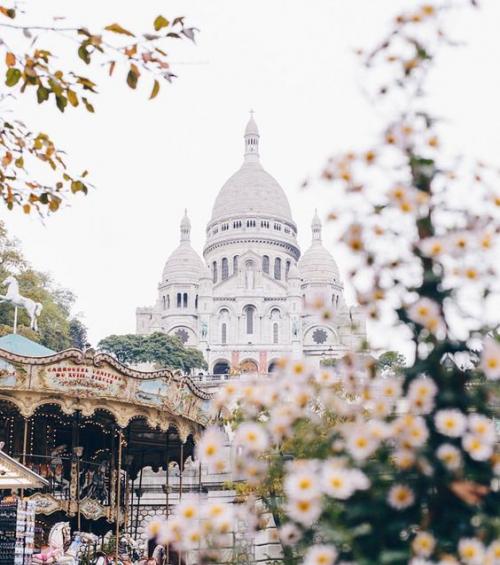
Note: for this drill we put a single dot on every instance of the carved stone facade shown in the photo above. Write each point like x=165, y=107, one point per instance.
x=245, y=304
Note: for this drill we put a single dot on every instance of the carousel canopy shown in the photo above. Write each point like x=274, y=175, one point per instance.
x=15, y=475
x=20, y=345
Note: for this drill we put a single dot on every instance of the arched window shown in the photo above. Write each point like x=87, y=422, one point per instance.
x=265, y=264
x=223, y=332
x=214, y=271
x=277, y=268
x=249, y=316
x=249, y=274
x=164, y=303
x=275, y=314
x=288, y=265
x=185, y=300
x=276, y=332
x=168, y=301
x=224, y=269
x=235, y=264
x=179, y=300
x=196, y=302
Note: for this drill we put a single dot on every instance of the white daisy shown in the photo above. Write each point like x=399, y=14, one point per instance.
x=450, y=456
x=301, y=484
x=210, y=446
x=360, y=443
x=490, y=359
x=471, y=551
x=289, y=534
x=400, y=497
x=252, y=436
x=320, y=555
x=424, y=544
x=482, y=427
x=478, y=449
x=336, y=481
x=450, y=422
x=305, y=511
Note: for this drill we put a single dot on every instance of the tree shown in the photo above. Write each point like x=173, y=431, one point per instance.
x=32, y=69
x=55, y=321
x=161, y=349
x=391, y=362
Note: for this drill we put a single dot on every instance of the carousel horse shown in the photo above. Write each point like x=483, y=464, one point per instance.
x=33, y=308
x=58, y=545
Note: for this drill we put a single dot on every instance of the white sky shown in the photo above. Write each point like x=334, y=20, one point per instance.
x=290, y=60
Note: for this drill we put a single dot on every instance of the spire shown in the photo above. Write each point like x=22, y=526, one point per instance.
x=316, y=227
x=185, y=227
x=251, y=140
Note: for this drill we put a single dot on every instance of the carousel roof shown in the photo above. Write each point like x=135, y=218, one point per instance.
x=20, y=345
x=15, y=475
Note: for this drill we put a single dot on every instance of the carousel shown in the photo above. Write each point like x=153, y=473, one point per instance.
x=89, y=426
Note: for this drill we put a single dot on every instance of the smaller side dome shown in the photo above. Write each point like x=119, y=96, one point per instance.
x=317, y=264
x=184, y=265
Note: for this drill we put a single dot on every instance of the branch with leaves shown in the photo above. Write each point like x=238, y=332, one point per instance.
x=31, y=68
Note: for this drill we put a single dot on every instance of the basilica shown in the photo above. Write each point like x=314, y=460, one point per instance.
x=246, y=303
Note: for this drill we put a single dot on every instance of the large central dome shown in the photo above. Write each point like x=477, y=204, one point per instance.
x=251, y=191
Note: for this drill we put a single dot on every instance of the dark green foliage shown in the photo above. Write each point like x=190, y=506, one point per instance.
x=163, y=350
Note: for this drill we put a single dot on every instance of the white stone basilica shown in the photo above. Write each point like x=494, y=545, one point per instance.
x=244, y=304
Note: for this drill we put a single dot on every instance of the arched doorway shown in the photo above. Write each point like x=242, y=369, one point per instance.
x=249, y=366
x=221, y=368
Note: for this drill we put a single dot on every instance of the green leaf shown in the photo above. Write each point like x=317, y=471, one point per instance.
x=117, y=28
x=84, y=53
x=61, y=102
x=160, y=22
x=88, y=105
x=12, y=76
x=156, y=89
x=42, y=94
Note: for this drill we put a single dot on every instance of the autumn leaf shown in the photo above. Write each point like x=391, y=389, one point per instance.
x=160, y=22
x=112, y=65
x=72, y=97
x=117, y=28
x=156, y=89
x=10, y=59
x=12, y=76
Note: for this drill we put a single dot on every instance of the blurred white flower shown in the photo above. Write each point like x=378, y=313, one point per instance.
x=471, y=551
x=336, y=481
x=423, y=544
x=482, y=427
x=289, y=534
x=305, y=511
x=400, y=497
x=359, y=442
x=450, y=422
x=210, y=445
x=490, y=359
x=450, y=456
x=301, y=484
x=252, y=436
x=478, y=449
x=320, y=555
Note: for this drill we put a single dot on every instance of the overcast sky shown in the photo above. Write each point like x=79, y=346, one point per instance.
x=292, y=62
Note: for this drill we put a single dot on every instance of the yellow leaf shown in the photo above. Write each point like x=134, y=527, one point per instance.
x=26, y=208
x=160, y=22
x=117, y=28
x=72, y=97
x=10, y=59
x=156, y=89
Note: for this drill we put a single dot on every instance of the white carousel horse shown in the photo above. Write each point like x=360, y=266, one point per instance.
x=58, y=544
x=33, y=308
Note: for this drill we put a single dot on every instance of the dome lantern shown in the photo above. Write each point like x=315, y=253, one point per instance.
x=251, y=140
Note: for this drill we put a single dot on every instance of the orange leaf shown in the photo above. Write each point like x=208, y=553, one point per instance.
x=10, y=59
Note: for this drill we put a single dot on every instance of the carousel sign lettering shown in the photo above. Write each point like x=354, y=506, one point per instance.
x=85, y=379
